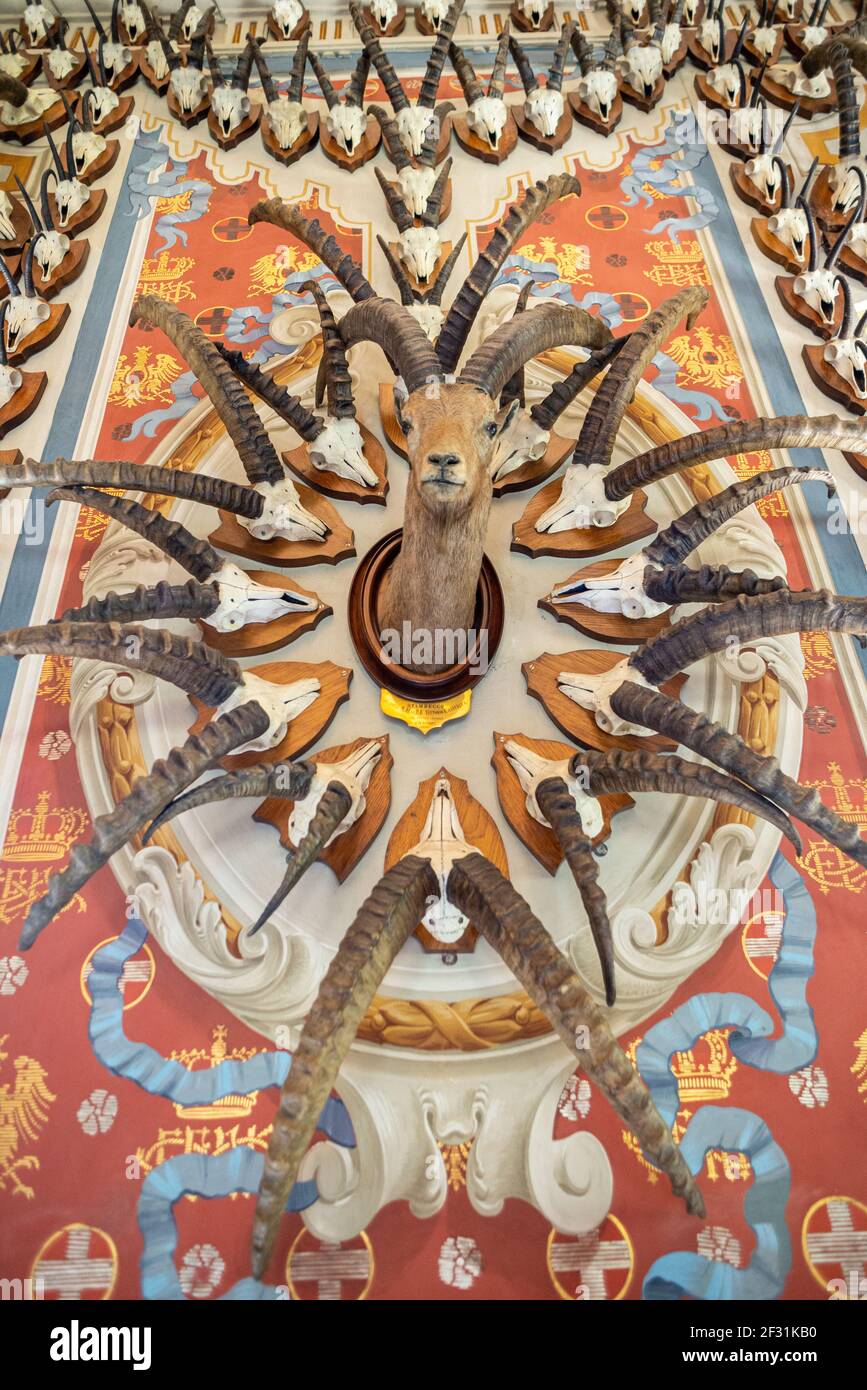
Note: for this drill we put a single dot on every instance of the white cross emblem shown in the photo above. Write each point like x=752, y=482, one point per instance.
x=328, y=1267
x=76, y=1272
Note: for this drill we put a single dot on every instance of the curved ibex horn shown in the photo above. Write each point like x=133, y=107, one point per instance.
x=176, y=22
x=547, y=412
x=466, y=74
x=381, y=927
x=507, y=923
x=337, y=379
x=216, y=71
x=497, y=84
x=557, y=69
x=243, y=425
x=197, y=557
x=529, y=80
x=146, y=603
x=735, y=437
x=433, y=205
x=389, y=78
x=686, y=533
x=325, y=83
x=514, y=387
x=404, y=342
x=244, y=65
x=436, y=59
x=437, y=289
x=149, y=794
x=334, y=805
x=134, y=477
x=650, y=709
x=290, y=780
x=603, y=419
x=266, y=77
x=353, y=93
x=291, y=219
x=398, y=210
x=287, y=406
x=582, y=50
x=393, y=143
x=299, y=63
x=812, y=233
x=462, y=314
x=514, y=343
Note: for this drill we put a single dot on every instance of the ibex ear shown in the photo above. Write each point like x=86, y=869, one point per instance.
x=506, y=416
x=401, y=396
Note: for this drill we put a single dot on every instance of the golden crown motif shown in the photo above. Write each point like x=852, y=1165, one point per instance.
x=196, y=1058
x=705, y=1072
x=850, y=798
x=37, y=833
x=162, y=268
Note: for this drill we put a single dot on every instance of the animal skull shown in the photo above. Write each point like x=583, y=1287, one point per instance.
x=434, y=11
x=812, y=36
x=789, y=226
x=532, y=769
x=190, y=86
x=156, y=58
x=788, y=9
x=60, y=61
x=353, y=774
x=103, y=102
x=641, y=66
x=288, y=121
x=231, y=107
x=820, y=290
x=191, y=22
x=764, y=40
x=87, y=147
x=521, y=441
x=544, y=109
x=598, y=90
x=621, y=592
x=70, y=196
x=37, y=21
x=348, y=125
x=796, y=82
x=50, y=251
x=634, y=11
x=845, y=186
x=442, y=842
x=413, y=123
x=14, y=63
x=429, y=317
x=593, y=693
x=37, y=103
x=848, y=357
x=10, y=382
x=487, y=119
x=582, y=501
x=133, y=19
x=416, y=185
x=383, y=11
x=419, y=248
x=764, y=174
x=708, y=37
x=690, y=10
x=534, y=10
x=24, y=315
x=283, y=515
x=286, y=14
x=339, y=448
x=116, y=57
x=858, y=239
x=726, y=80
x=670, y=42
x=746, y=123
x=281, y=703
x=244, y=601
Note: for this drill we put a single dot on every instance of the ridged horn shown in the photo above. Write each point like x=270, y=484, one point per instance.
x=433, y=204
x=497, y=84
x=558, y=807
x=651, y=709
x=389, y=78
x=437, y=289
x=287, y=406
x=338, y=382
x=334, y=805
x=686, y=533
x=557, y=69
x=399, y=275
x=404, y=342
x=12, y=90
x=289, y=780
x=289, y=218
x=547, y=412
x=468, y=300
x=436, y=58
x=134, y=477
x=380, y=929
x=515, y=342
x=147, y=602
x=605, y=414
x=478, y=889
x=243, y=425
x=735, y=437
x=393, y=143
x=514, y=387
x=325, y=83
x=676, y=584
x=197, y=557
x=835, y=55
x=189, y=665
x=466, y=74
x=149, y=794
x=299, y=63
x=529, y=80
x=353, y=93
x=397, y=208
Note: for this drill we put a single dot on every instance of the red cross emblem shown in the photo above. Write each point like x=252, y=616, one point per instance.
x=329, y=1271
x=594, y=1266
x=231, y=229
x=606, y=218
x=77, y=1262
x=632, y=307
x=213, y=322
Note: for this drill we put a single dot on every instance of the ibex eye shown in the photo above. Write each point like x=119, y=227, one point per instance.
x=491, y=429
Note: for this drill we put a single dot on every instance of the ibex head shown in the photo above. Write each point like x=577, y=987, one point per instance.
x=451, y=433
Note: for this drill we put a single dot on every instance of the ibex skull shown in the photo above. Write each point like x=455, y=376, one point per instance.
x=288, y=121
x=598, y=90
x=789, y=226
x=190, y=87
x=544, y=109
x=819, y=289
x=487, y=119
x=287, y=14
x=347, y=124
x=37, y=21
x=231, y=107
